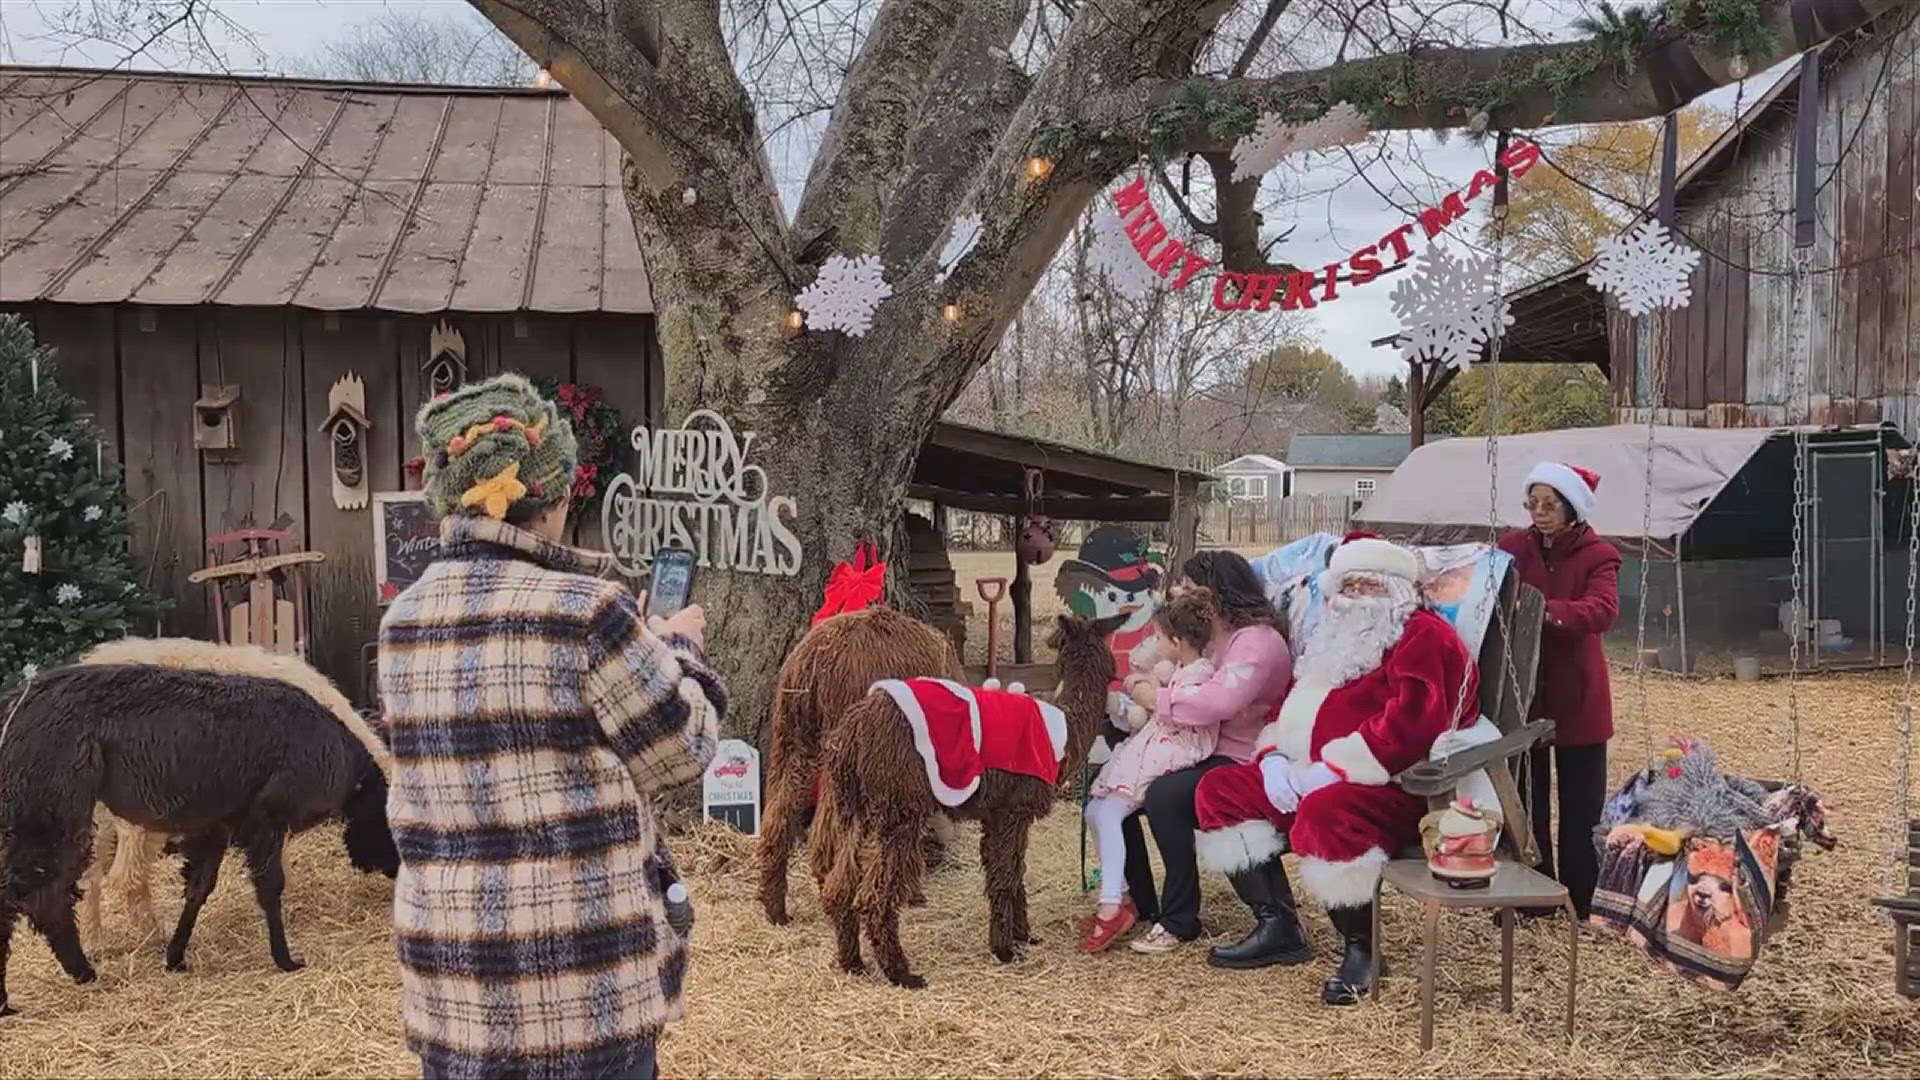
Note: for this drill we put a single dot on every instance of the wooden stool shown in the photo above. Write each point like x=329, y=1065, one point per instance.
x=1513, y=886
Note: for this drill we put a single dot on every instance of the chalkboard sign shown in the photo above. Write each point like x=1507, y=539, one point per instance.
x=406, y=537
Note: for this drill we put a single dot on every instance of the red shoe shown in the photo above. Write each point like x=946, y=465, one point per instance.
x=1100, y=934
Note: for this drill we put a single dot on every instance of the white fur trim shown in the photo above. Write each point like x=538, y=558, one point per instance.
x=1351, y=755
x=1292, y=731
x=1016, y=688
x=192, y=654
x=1237, y=847
x=1370, y=556
x=1564, y=480
x=909, y=707
x=1056, y=722
x=1343, y=884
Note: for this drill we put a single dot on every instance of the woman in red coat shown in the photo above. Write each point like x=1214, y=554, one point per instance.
x=1579, y=574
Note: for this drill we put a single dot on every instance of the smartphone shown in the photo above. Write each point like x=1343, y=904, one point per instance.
x=672, y=582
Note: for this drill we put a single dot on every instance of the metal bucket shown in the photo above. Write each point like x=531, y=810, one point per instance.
x=1746, y=668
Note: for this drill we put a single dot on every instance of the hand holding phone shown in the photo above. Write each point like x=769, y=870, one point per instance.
x=672, y=581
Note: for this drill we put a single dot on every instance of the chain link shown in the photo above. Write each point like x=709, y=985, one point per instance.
x=1903, y=724
x=1799, y=391
x=1656, y=362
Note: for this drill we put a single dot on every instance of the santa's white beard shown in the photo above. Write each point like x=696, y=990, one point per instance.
x=1356, y=631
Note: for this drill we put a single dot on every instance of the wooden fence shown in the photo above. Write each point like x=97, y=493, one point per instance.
x=1243, y=522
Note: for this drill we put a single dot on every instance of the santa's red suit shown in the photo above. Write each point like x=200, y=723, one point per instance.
x=1366, y=730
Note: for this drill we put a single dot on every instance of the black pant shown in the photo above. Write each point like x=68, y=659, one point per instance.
x=1169, y=809
x=1583, y=791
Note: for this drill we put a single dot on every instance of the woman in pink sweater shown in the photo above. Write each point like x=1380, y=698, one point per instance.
x=1252, y=669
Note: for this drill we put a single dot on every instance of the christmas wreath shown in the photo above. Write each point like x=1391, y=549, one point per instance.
x=596, y=425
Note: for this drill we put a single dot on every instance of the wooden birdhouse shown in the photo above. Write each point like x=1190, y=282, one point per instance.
x=346, y=428
x=216, y=420
x=446, y=365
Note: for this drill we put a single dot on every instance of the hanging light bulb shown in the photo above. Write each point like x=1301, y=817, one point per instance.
x=951, y=312
x=1737, y=67
x=1038, y=167
x=796, y=321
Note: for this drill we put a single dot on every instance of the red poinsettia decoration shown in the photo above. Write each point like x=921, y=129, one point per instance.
x=596, y=425
x=388, y=590
x=854, y=586
x=585, y=476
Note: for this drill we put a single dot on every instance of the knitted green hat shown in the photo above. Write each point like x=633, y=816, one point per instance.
x=496, y=448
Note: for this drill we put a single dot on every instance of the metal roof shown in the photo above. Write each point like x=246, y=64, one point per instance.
x=133, y=187
x=1262, y=461
x=1365, y=451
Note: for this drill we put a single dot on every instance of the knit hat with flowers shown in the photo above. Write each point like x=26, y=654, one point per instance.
x=496, y=449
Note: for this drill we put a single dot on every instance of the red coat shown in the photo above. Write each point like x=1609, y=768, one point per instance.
x=1580, y=576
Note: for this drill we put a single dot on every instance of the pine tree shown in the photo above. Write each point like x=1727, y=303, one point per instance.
x=86, y=589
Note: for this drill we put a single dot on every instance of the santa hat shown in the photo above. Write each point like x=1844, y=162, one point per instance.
x=1365, y=553
x=1577, y=486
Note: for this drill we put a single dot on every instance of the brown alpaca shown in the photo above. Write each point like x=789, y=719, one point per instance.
x=832, y=668
x=877, y=801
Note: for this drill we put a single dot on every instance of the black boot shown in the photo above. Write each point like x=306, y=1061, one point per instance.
x=1276, y=936
x=1354, y=979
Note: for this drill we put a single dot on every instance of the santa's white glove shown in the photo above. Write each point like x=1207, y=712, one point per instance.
x=1308, y=779
x=1276, y=775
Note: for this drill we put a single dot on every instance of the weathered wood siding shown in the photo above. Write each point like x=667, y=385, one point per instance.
x=140, y=369
x=1729, y=359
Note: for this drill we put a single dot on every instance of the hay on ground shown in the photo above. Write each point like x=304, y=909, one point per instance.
x=766, y=1001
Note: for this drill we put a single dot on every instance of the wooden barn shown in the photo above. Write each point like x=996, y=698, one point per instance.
x=184, y=239
x=211, y=256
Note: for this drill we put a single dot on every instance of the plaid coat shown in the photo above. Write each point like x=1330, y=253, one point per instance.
x=530, y=715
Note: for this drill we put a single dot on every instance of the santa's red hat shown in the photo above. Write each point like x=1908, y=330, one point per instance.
x=1365, y=553
x=1577, y=486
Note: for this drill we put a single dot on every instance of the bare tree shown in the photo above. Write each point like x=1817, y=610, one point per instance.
x=445, y=47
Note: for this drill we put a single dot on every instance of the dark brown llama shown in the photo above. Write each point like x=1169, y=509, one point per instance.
x=865, y=849
x=833, y=667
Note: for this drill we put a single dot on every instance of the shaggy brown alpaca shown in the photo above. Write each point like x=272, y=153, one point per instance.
x=833, y=667
x=877, y=802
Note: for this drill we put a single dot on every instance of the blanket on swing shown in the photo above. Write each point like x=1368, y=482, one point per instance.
x=1702, y=912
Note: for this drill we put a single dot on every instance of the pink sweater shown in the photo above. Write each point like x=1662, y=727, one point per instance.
x=1252, y=669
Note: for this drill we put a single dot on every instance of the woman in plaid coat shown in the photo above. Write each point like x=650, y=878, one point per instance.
x=531, y=713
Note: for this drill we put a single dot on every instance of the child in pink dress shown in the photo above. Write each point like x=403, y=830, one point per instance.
x=1159, y=747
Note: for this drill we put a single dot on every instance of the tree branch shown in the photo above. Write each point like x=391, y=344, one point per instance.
x=1520, y=86
x=881, y=100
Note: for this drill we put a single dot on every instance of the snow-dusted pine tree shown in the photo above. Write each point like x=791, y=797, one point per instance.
x=67, y=577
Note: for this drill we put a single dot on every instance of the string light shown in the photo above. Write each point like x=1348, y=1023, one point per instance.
x=1038, y=167
x=796, y=320
x=951, y=312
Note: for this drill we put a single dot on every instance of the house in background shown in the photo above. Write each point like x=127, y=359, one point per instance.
x=1255, y=478
x=1349, y=465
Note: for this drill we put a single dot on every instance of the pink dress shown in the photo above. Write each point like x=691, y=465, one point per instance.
x=1161, y=746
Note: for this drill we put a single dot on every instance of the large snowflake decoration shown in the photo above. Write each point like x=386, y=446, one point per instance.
x=965, y=234
x=15, y=513
x=1449, y=308
x=1272, y=138
x=845, y=294
x=60, y=450
x=91, y=513
x=1113, y=255
x=1644, y=269
x=67, y=593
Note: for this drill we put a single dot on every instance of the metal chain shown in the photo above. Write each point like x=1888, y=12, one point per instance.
x=1657, y=362
x=1802, y=618
x=1903, y=761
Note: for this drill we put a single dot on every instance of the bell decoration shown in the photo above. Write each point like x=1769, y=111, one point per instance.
x=1038, y=537
x=1460, y=842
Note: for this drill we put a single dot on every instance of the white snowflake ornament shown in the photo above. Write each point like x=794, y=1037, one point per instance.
x=60, y=450
x=1115, y=257
x=67, y=593
x=1256, y=153
x=1449, y=309
x=91, y=513
x=965, y=234
x=28, y=671
x=845, y=294
x=15, y=513
x=1644, y=269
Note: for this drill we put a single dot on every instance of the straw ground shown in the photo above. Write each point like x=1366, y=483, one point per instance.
x=768, y=1002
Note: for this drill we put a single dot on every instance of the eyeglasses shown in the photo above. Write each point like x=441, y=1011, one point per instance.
x=1548, y=503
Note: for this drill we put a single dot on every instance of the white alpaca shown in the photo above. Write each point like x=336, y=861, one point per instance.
x=124, y=854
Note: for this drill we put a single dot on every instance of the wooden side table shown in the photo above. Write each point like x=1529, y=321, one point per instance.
x=1513, y=886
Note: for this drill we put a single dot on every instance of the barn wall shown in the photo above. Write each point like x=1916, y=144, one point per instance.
x=1730, y=358
x=140, y=370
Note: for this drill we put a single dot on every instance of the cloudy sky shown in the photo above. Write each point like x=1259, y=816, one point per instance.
x=1337, y=209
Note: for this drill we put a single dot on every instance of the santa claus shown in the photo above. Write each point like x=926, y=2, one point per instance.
x=1380, y=681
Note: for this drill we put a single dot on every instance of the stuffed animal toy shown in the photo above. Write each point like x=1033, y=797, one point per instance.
x=1151, y=668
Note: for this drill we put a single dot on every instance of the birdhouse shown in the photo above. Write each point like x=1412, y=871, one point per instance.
x=346, y=428
x=446, y=365
x=215, y=419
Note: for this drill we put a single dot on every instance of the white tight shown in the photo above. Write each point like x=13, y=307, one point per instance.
x=1104, y=817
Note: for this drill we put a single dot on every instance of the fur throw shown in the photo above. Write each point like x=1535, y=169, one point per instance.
x=1692, y=795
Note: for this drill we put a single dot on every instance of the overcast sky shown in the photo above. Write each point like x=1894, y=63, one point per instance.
x=1337, y=210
